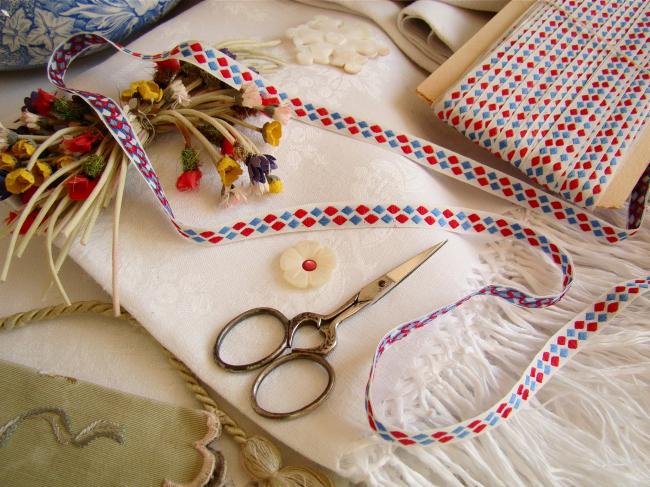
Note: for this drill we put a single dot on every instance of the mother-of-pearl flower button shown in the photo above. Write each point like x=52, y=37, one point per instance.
x=307, y=264
x=332, y=41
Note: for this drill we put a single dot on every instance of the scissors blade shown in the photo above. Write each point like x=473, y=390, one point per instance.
x=404, y=270
x=381, y=286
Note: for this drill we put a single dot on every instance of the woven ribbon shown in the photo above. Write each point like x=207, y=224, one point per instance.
x=333, y=216
x=563, y=96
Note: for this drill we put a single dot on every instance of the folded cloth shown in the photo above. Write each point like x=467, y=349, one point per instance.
x=439, y=28
x=483, y=5
x=427, y=31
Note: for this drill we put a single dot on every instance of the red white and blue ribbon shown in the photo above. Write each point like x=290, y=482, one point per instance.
x=563, y=97
x=332, y=216
x=555, y=353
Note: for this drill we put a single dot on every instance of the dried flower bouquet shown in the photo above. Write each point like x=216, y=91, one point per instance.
x=62, y=167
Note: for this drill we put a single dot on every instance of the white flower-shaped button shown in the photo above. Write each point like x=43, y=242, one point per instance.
x=307, y=264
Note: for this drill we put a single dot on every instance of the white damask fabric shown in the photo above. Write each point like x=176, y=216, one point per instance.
x=185, y=293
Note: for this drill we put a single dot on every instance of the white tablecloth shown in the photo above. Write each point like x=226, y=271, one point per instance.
x=184, y=293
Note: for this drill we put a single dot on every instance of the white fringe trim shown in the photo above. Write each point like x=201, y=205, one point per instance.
x=589, y=426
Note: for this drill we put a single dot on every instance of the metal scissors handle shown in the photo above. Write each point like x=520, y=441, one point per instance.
x=325, y=324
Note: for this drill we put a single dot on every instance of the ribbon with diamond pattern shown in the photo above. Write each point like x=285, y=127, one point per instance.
x=563, y=97
x=555, y=353
x=332, y=216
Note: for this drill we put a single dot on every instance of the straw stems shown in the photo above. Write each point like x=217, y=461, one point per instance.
x=55, y=138
x=26, y=211
x=240, y=44
x=52, y=198
x=248, y=51
x=70, y=218
x=48, y=246
x=121, y=183
x=212, y=96
x=172, y=116
x=80, y=219
x=222, y=128
x=88, y=202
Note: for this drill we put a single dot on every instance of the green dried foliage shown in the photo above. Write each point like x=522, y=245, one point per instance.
x=93, y=165
x=69, y=110
x=211, y=133
x=189, y=159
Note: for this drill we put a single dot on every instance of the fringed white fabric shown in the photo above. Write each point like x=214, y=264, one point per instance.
x=589, y=426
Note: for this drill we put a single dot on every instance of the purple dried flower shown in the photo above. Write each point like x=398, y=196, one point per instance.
x=259, y=167
x=30, y=100
x=272, y=162
x=4, y=192
x=228, y=52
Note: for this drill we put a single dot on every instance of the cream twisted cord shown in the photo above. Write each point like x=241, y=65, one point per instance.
x=259, y=456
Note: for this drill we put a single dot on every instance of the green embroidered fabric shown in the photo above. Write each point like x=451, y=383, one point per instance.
x=57, y=431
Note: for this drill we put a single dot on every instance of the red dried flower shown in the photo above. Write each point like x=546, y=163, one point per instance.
x=169, y=66
x=81, y=143
x=11, y=217
x=27, y=195
x=79, y=187
x=26, y=224
x=43, y=102
x=189, y=180
x=227, y=147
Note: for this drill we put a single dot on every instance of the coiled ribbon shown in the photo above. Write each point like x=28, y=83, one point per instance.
x=334, y=216
x=563, y=96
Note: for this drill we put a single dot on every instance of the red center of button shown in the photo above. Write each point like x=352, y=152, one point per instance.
x=309, y=265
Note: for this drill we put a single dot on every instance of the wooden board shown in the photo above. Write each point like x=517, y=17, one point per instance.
x=448, y=73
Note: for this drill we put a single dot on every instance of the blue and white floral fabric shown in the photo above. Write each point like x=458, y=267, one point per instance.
x=30, y=29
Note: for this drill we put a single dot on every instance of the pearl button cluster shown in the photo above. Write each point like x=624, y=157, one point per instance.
x=324, y=40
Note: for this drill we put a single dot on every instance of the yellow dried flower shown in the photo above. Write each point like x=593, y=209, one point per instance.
x=129, y=92
x=23, y=149
x=229, y=170
x=275, y=185
x=63, y=161
x=19, y=180
x=150, y=91
x=7, y=161
x=41, y=172
x=147, y=89
x=272, y=132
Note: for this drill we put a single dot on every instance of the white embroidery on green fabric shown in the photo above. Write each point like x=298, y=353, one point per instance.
x=61, y=425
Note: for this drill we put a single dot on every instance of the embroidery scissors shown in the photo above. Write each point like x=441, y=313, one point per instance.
x=325, y=324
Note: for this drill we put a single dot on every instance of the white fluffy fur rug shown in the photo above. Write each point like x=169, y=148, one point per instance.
x=588, y=426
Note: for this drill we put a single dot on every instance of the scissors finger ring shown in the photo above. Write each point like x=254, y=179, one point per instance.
x=319, y=359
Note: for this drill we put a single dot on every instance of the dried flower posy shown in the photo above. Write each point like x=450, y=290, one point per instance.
x=62, y=167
